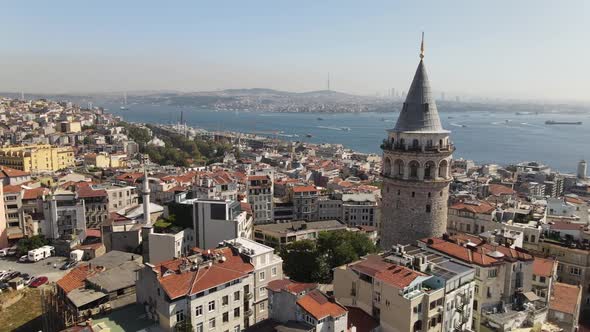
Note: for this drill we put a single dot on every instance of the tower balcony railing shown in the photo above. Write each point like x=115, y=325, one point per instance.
x=387, y=145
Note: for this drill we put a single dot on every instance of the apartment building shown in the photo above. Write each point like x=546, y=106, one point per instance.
x=409, y=289
x=222, y=289
x=303, y=304
x=11, y=176
x=503, y=280
x=564, y=306
x=13, y=212
x=283, y=233
x=573, y=262
x=37, y=158
x=478, y=216
x=260, y=190
x=167, y=246
x=103, y=199
x=213, y=221
x=360, y=210
x=544, y=276
x=64, y=219
x=305, y=202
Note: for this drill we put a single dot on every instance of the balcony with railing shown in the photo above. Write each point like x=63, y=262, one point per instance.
x=414, y=148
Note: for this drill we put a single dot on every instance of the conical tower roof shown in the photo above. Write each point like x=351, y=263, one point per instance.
x=419, y=112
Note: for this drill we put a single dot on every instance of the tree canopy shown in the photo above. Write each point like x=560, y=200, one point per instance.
x=313, y=261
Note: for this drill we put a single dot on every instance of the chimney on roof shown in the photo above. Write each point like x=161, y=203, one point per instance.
x=446, y=237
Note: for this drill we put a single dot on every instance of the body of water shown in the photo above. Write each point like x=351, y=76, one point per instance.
x=498, y=137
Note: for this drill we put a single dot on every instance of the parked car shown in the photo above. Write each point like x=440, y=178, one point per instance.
x=12, y=251
x=11, y=275
x=3, y=286
x=23, y=259
x=29, y=279
x=68, y=265
x=38, y=282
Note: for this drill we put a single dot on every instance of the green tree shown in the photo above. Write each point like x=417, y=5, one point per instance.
x=36, y=241
x=301, y=262
x=86, y=140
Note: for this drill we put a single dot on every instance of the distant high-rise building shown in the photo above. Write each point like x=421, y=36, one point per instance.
x=416, y=169
x=582, y=169
x=442, y=96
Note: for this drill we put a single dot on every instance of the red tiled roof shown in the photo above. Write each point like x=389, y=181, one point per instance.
x=478, y=254
x=460, y=252
x=302, y=189
x=498, y=189
x=195, y=281
x=566, y=226
x=12, y=189
x=480, y=207
x=35, y=193
x=543, y=267
x=574, y=200
x=93, y=232
x=246, y=206
x=11, y=172
x=290, y=286
x=130, y=177
x=362, y=321
x=564, y=298
x=319, y=305
x=392, y=274
x=75, y=278
x=84, y=190
x=258, y=177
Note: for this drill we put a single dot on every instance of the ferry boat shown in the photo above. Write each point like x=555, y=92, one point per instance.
x=551, y=122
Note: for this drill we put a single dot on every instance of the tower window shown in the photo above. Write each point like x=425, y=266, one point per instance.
x=426, y=107
x=428, y=208
x=399, y=192
x=441, y=194
x=429, y=195
x=413, y=194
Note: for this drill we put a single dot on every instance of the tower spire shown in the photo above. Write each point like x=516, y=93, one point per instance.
x=422, y=47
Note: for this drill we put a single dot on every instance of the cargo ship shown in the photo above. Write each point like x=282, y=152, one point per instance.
x=551, y=122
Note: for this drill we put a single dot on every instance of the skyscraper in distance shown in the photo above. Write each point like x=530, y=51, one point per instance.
x=416, y=168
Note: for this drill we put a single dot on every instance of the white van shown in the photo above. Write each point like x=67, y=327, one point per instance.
x=38, y=254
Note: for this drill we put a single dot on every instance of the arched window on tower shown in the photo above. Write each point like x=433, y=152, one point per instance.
x=414, y=169
x=440, y=143
x=398, y=168
x=429, y=170
x=415, y=144
x=443, y=169
x=386, y=166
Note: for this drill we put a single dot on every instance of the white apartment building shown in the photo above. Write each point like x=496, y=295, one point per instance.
x=219, y=289
x=216, y=220
x=260, y=196
x=167, y=246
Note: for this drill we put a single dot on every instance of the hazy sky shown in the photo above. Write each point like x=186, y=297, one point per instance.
x=512, y=49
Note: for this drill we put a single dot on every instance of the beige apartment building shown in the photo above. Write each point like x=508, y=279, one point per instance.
x=409, y=289
x=503, y=280
x=37, y=158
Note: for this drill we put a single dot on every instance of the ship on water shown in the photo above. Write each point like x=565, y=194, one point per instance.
x=124, y=107
x=552, y=122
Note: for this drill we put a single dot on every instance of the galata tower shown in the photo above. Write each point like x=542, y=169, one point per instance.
x=417, y=156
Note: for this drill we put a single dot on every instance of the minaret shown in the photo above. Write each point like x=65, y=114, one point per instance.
x=145, y=192
x=416, y=161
